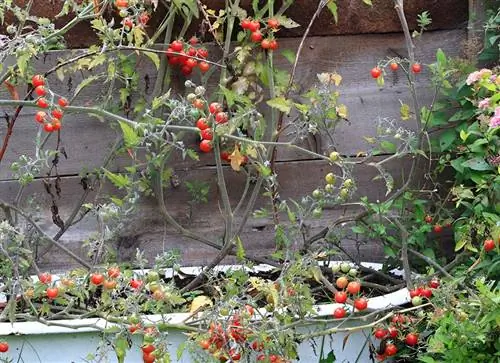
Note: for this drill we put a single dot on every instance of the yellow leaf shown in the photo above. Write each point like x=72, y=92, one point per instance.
x=405, y=112
x=250, y=151
x=199, y=302
x=327, y=78
x=236, y=158
x=342, y=111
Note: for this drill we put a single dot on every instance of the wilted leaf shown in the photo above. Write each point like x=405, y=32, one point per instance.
x=236, y=158
x=404, y=111
x=281, y=104
x=199, y=302
x=342, y=111
x=328, y=78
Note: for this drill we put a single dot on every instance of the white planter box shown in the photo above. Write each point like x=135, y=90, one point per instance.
x=36, y=342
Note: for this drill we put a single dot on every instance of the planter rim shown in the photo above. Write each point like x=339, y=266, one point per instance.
x=66, y=326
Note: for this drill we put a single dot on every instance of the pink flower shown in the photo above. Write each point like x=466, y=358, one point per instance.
x=473, y=78
x=484, y=104
x=495, y=120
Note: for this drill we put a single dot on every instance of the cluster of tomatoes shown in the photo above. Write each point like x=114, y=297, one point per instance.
x=185, y=55
x=347, y=287
x=216, y=116
x=228, y=344
x=420, y=293
x=398, y=332
x=53, y=122
x=438, y=228
x=140, y=18
x=256, y=35
x=376, y=72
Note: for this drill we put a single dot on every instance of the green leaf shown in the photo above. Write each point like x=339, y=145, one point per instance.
x=388, y=146
x=441, y=58
x=477, y=163
x=289, y=55
x=388, y=251
x=287, y=22
x=180, y=350
x=446, y=139
x=332, y=6
x=118, y=180
x=154, y=58
x=281, y=104
x=429, y=252
x=460, y=244
x=129, y=135
x=330, y=358
x=464, y=135
x=121, y=348
x=84, y=84
x=462, y=115
x=240, y=250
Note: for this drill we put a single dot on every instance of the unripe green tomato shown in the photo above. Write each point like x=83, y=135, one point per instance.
x=330, y=178
x=148, y=338
x=317, y=212
x=344, y=193
x=317, y=194
x=191, y=97
x=329, y=188
x=11, y=29
x=123, y=13
x=334, y=156
x=348, y=183
x=345, y=267
x=336, y=268
x=352, y=272
x=416, y=301
x=152, y=276
x=224, y=311
x=134, y=319
x=195, y=113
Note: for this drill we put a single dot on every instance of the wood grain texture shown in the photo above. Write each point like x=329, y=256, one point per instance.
x=87, y=139
x=146, y=229
x=354, y=17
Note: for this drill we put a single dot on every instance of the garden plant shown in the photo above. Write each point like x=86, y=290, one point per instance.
x=218, y=95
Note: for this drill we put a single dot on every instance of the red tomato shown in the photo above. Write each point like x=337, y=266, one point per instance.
x=191, y=63
x=52, y=292
x=380, y=333
x=265, y=44
x=434, y=283
x=144, y=18
x=245, y=24
x=186, y=70
x=393, y=332
x=97, y=279
x=273, y=23
x=176, y=45
x=48, y=127
x=57, y=113
x=376, y=72
x=214, y=108
x=202, y=124
x=37, y=80
x=416, y=68
x=361, y=303
x=250, y=310
x=256, y=36
x=114, y=272
x=207, y=134
x=121, y=3
x=204, y=67
x=56, y=124
x=234, y=354
x=221, y=117
x=340, y=297
x=411, y=339
x=148, y=358
x=202, y=53
x=273, y=44
x=128, y=23
x=426, y=293
x=63, y=102
x=339, y=313
x=199, y=104
x=390, y=349
x=45, y=278
x=489, y=245
x=206, y=146
x=394, y=66
x=135, y=284
x=354, y=287
x=192, y=52
x=193, y=40
x=109, y=284
x=42, y=103
x=254, y=26
x=428, y=219
x=4, y=347
x=438, y=228
x=40, y=117
x=40, y=91
x=148, y=348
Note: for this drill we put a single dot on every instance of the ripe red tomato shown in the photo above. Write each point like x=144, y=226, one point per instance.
x=245, y=24
x=4, y=347
x=428, y=219
x=273, y=44
x=411, y=339
x=393, y=332
x=380, y=333
x=48, y=127
x=97, y=279
x=426, y=293
x=416, y=68
x=214, y=107
x=376, y=72
x=250, y=310
x=177, y=45
x=193, y=40
x=342, y=282
x=340, y=297
x=57, y=113
x=254, y=26
x=40, y=91
x=204, y=67
x=114, y=272
x=489, y=245
x=45, y=278
x=265, y=44
x=274, y=358
x=121, y=3
x=191, y=52
x=148, y=348
x=133, y=328
x=257, y=345
x=191, y=63
x=199, y=104
x=339, y=313
x=42, y=103
x=40, y=117
x=390, y=350
x=261, y=358
x=354, y=287
x=225, y=155
x=438, y=228
x=207, y=134
x=148, y=358
x=52, y=292
x=56, y=124
x=234, y=354
x=128, y=23
x=361, y=303
x=414, y=293
x=434, y=283
x=221, y=118
x=63, y=102
x=206, y=146
x=144, y=18
x=202, y=124
x=186, y=70
x=394, y=66
x=202, y=53
x=37, y=80
x=256, y=36
x=273, y=23
x=135, y=284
